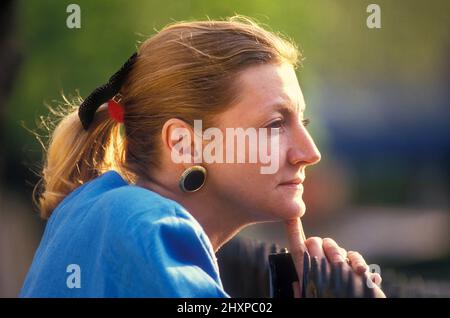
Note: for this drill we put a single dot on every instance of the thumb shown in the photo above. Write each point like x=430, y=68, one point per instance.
x=296, y=238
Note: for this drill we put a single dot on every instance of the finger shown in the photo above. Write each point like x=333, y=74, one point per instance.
x=376, y=278
x=332, y=251
x=315, y=249
x=295, y=235
x=302, y=232
x=357, y=262
x=343, y=252
x=379, y=293
x=375, y=287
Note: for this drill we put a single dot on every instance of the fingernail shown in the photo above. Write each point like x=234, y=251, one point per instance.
x=338, y=259
x=361, y=267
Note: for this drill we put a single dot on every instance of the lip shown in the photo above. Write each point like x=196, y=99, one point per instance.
x=293, y=182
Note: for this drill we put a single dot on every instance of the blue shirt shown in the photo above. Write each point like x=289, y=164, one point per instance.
x=108, y=238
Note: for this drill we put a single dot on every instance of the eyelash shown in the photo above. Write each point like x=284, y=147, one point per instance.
x=281, y=122
x=276, y=122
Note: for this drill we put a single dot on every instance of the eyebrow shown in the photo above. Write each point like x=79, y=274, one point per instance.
x=286, y=108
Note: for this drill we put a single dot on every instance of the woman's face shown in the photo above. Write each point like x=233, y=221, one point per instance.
x=271, y=98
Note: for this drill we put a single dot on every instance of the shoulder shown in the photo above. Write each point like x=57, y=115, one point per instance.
x=136, y=204
x=131, y=197
x=115, y=206
x=142, y=210
x=160, y=239
x=148, y=218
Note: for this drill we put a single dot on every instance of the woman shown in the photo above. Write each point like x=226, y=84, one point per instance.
x=125, y=218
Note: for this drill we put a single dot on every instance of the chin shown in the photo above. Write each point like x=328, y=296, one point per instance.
x=295, y=209
x=280, y=209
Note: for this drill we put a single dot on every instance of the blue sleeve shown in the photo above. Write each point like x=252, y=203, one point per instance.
x=166, y=257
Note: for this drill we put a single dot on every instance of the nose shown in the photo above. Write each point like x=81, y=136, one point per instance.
x=303, y=150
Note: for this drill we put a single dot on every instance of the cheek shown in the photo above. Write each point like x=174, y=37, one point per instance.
x=276, y=147
x=283, y=150
x=243, y=184
x=245, y=177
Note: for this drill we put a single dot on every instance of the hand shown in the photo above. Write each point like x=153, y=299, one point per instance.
x=327, y=248
x=351, y=260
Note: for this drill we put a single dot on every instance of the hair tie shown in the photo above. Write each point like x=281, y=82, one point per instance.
x=106, y=93
x=115, y=109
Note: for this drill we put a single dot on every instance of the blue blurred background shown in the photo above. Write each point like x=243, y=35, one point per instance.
x=378, y=100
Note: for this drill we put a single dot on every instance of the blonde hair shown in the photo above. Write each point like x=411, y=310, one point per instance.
x=187, y=70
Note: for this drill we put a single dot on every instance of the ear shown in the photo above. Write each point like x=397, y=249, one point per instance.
x=178, y=141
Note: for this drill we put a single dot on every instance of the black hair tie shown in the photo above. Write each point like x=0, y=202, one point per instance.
x=104, y=93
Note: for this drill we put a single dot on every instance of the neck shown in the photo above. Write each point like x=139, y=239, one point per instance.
x=216, y=218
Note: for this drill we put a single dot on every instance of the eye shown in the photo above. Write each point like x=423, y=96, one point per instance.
x=276, y=124
x=305, y=122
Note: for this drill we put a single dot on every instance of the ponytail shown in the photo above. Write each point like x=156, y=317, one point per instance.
x=85, y=143
x=75, y=156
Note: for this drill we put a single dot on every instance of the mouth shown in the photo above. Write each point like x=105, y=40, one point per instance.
x=293, y=182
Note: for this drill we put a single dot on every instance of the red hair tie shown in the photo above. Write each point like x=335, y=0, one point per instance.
x=116, y=110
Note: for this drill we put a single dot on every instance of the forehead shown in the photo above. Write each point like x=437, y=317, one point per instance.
x=271, y=86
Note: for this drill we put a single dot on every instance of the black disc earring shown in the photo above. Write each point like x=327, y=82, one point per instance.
x=193, y=179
